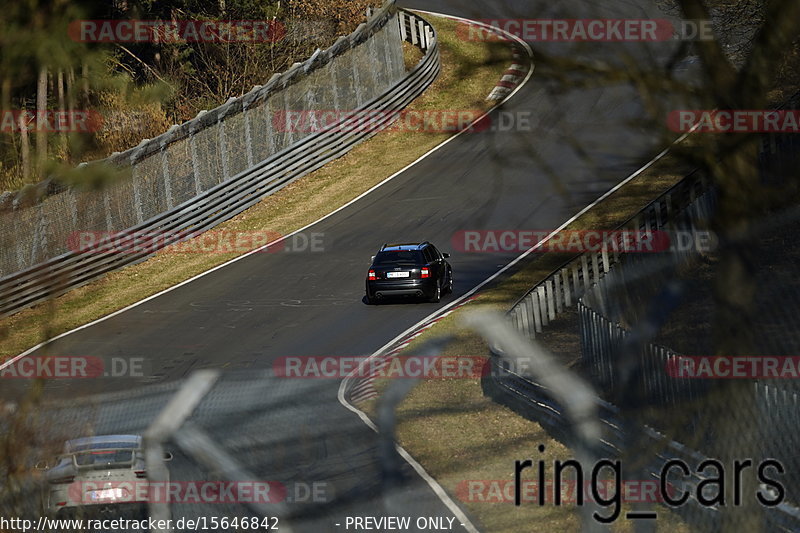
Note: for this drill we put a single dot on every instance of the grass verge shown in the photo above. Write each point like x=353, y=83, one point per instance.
x=458, y=434
x=469, y=72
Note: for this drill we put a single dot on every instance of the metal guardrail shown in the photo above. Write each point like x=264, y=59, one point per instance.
x=190, y=158
x=566, y=284
x=578, y=410
x=74, y=269
x=536, y=400
x=566, y=287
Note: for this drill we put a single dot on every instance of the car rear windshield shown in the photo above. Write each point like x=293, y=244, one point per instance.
x=400, y=256
x=104, y=458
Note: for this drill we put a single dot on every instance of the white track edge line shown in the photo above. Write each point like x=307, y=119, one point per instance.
x=12, y=360
x=418, y=468
x=494, y=276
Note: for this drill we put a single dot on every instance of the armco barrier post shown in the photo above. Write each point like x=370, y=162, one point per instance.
x=551, y=308
x=542, y=304
x=565, y=278
x=537, y=312
x=557, y=290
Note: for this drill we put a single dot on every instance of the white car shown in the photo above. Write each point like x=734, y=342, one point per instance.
x=104, y=473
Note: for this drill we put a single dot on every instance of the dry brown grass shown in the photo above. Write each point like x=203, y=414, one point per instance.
x=293, y=207
x=458, y=434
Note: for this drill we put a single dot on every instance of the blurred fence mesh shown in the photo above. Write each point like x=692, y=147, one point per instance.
x=320, y=469
x=762, y=411
x=191, y=158
x=641, y=315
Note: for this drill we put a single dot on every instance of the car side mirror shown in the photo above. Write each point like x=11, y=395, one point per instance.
x=168, y=456
x=371, y=259
x=445, y=255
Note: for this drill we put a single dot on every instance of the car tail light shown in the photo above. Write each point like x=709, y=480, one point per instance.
x=426, y=273
x=61, y=504
x=372, y=276
x=140, y=474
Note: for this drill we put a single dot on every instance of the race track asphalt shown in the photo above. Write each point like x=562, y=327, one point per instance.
x=268, y=305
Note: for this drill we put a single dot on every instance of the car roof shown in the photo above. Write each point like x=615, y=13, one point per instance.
x=404, y=247
x=103, y=441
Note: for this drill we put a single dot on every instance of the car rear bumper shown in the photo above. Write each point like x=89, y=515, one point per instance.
x=121, y=510
x=382, y=289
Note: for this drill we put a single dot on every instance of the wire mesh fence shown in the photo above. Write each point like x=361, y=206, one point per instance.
x=242, y=445
x=638, y=314
x=193, y=157
x=682, y=381
x=645, y=323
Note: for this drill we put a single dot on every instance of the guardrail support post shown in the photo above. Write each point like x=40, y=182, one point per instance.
x=576, y=280
x=542, y=304
x=557, y=290
x=401, y=19
x=587, y=282
x=604, y=256
x=567, y=297
x=551, y=307
x=595, y=267
x=537, y=313
x=522, y=316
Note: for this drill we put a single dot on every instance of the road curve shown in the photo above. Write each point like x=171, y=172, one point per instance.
x=268, y=305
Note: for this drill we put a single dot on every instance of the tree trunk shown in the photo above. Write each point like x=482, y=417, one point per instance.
x=61, y=105
x=24, y=151
x=85, y=85
x=70, y=96
x=5, y=94
x=5, y=106
x=41, y=123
